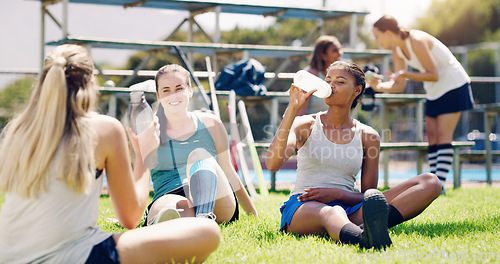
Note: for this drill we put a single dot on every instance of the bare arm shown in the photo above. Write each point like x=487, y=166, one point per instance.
x=129, y=190
x=287, y=138
x=422, y=44
x=371, y=151
x=396, y=84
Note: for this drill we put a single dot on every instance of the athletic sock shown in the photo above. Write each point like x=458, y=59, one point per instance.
x=203, y=185
x=432, y=149
x=394, y=218
x=444, y=161
x=350, y=234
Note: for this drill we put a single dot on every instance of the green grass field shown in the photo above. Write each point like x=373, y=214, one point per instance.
x=461, y=227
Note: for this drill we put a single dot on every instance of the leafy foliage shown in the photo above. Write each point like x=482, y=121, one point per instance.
x=459, y=22
x=14, y=98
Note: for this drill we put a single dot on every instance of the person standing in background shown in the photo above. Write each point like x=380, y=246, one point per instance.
x=327, y=50
x=446, y=83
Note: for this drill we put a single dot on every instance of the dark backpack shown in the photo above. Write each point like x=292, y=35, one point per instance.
x=245, y=77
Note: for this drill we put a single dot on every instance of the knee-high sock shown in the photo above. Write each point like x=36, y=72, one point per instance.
x=350, y=234
x=395, y=217
x=432, y=157
x=444, y=161
x=203, y=185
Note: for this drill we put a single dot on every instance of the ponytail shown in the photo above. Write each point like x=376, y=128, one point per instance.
x=51, y=137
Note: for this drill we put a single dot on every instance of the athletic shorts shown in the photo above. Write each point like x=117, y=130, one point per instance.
x=289, y=207
x=456, y=100
x=104, y=253
x=180, y=191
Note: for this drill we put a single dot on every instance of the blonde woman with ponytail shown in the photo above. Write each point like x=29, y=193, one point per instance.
x=52, y=158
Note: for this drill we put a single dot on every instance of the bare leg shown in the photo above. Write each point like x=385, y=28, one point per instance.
x=431, y=129
x=225, y=204
x=318, y=218
x=411, y=197
x=181, y=240
x=440, y=129
x=171, y=201
x=446, y=125
x=440, y=134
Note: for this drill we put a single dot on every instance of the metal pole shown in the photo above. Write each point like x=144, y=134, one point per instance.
x=42, y=37
x=384, y=117
x=217, y=37
x=420, y=120
x=65, y=19
x=353, y=31
x=190, y=38
x=488, y=118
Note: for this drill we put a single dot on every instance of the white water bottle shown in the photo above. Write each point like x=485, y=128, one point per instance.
x=140, y=118
x=308, y=81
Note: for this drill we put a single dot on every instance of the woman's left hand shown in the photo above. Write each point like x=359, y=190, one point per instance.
x=324, y=195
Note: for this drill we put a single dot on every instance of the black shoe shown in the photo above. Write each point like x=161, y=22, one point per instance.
x=375, y=213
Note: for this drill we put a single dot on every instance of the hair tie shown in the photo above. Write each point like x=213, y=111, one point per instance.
x=60, y=61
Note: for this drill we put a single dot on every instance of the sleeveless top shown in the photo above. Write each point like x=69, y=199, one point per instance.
x=170, y=173
x=59, y=226
x=324, y=164
x=451, y=73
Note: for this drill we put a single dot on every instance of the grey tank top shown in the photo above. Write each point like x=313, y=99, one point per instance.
x=324, y=164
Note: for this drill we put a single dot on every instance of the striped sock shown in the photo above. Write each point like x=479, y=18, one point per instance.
x=432, y=157
x=444, y=161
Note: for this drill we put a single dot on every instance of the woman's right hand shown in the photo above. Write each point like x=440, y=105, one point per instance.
x=147, y=141
x=298, y=97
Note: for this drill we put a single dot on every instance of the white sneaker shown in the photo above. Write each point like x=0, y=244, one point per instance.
x=211, y=216
x=165, y=214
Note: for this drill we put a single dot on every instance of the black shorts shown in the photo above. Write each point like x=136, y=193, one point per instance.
x=180, y=191
x=456, y=100
x=104, y=253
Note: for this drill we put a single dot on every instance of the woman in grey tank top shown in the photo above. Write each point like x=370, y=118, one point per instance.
x=324, y=201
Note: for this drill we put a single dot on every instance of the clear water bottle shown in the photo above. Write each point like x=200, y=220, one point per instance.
x=140, y=120
x=308, y=81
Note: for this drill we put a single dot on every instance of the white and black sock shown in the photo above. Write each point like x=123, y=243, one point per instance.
x=444, y=161
x=432, y=158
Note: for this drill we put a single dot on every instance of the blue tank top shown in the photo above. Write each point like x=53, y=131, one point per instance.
x=170, y=173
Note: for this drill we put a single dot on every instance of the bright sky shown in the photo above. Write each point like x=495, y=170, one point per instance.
x=20, y=24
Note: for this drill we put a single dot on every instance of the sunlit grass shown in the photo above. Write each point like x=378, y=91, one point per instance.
x=461, y=227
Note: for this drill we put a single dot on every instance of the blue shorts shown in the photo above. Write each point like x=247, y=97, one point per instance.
x=289, y=207
x=456, y=100
x=104, y=253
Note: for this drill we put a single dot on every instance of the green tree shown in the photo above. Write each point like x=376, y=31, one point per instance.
x=459, y=22
x=14, y=98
